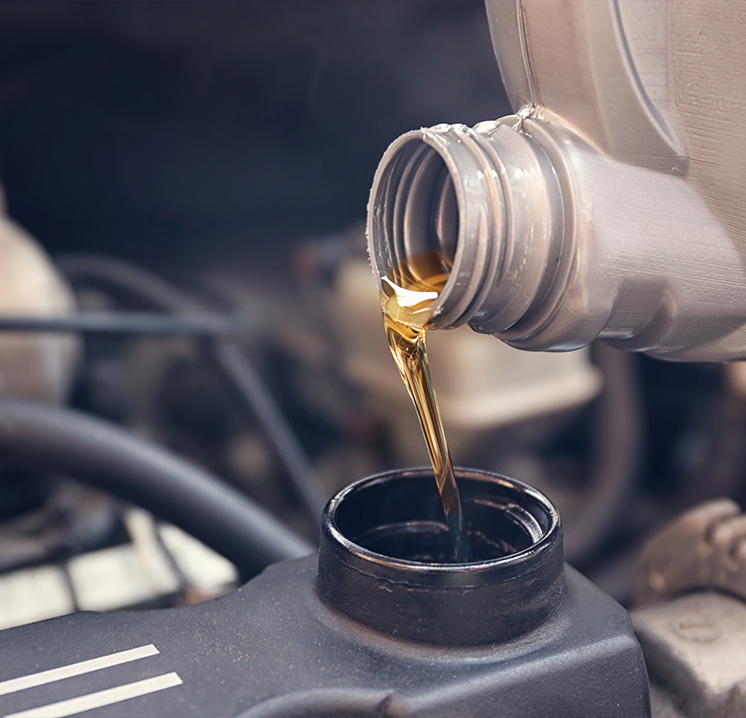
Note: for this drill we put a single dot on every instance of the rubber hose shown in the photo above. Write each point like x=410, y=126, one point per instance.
x=63, y=441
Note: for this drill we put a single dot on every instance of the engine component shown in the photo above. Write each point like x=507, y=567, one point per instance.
x=694, y=643
x=70, y=519
x=160, y=564
x=694, y=651
x=517, y=633
x=35, y=366
x=61, y=440
x=145, y=287
x=703, y=548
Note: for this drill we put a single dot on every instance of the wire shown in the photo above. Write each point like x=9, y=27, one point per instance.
x=63, y=441
x=109, y=272
x=137, y=283
x=125, y=323
x=255, y=394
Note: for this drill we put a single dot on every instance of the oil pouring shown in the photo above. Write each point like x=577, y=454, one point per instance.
x=408, y=298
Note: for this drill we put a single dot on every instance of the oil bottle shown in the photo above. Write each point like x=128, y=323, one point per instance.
x=609, y=204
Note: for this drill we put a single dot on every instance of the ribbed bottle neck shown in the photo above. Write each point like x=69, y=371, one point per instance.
x=489, y=200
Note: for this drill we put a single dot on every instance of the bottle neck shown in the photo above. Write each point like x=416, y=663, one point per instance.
x=490, y=200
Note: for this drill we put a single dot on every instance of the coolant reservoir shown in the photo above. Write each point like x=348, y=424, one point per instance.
x=610, y=204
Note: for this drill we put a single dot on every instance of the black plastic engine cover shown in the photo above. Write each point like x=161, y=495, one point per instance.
x=272, y=648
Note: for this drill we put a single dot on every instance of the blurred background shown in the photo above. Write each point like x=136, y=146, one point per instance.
x=225, y=151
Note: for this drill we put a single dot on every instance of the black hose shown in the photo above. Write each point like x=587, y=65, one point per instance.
x=63, y=441
x=205, y=325
x=140, y=284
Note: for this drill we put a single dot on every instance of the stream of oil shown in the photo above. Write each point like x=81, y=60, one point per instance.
x=408, y=297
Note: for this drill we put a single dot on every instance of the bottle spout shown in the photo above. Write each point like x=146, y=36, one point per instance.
x=486, y=199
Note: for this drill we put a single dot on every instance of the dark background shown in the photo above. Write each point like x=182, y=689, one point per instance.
x=193, y=132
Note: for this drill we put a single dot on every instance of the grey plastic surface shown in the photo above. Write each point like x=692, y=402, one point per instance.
x=610, y=205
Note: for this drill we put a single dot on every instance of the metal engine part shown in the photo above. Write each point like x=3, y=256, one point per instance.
x=692, y=623
x=695, y=652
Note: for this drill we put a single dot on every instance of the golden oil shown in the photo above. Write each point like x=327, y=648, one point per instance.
x=409, y=294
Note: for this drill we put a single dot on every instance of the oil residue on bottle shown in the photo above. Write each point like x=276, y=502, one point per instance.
x=408, y=297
